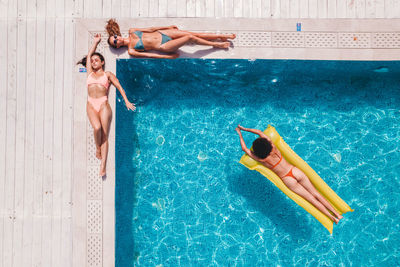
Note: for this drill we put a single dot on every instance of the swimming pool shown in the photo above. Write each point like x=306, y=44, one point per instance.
x=182, y=198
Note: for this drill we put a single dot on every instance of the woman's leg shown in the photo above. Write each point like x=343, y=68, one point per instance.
x=105, y=118
x=175, y=44
x=174, y=34
x=94, y=119
x=306, y=183
x=293, y=185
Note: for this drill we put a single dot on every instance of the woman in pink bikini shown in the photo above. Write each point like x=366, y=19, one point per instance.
x=98, y=109
x=265, y=152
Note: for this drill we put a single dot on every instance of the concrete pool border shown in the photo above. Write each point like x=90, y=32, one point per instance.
x=321, y=39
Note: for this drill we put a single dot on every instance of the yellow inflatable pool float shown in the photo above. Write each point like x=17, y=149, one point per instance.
x=317, y=181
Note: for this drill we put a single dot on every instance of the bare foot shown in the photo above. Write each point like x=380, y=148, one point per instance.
x=228, y=36
x=98, y=153
x=102, y=172
x=336, y=220
x=223, y=45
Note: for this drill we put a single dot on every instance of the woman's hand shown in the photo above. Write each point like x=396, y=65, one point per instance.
x=97, y=38
x=130, y=106
x=173, y=56
x=237, y=129
x=173, y=27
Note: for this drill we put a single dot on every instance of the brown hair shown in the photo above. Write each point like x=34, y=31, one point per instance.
x=112, y=28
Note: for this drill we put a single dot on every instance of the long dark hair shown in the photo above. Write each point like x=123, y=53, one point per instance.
x=83, y=61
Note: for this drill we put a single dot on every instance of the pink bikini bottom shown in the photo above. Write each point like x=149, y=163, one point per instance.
x=97, y=102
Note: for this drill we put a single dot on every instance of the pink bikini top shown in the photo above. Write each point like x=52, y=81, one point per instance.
x=103, y=80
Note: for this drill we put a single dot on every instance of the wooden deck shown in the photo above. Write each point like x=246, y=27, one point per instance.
x=43, y=152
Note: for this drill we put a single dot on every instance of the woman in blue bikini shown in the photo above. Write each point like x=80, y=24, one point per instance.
x=265, y=152
x=164, y=39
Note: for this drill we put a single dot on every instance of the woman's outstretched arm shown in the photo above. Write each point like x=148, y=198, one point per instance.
x=255, y=131
x=96, y=41
x=242, y=143
x=121, y=90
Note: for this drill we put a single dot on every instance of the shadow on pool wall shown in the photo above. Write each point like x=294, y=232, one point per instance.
x=323, y=80
x=125, y=185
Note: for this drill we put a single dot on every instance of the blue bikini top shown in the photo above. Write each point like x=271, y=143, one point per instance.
x=139, y=44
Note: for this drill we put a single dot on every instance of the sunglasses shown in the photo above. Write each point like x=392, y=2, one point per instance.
x=115, y=39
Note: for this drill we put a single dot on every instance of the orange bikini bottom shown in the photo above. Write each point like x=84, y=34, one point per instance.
x=290, y=173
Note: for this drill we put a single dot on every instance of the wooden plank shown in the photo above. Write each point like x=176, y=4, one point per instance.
x=238, y=8
x=3, y=10
x=201, y=8
x=284, y=9
x=79, y=229
x=12, y=9
x=10, y=141
x=29, y=145
x=265, y=8
x=78, y=8
x=332, y=9
x=322, y=9
x=370, y=9
x=97, y=10
x=22, y=9
x=125, y=8
x=390, y=10
x=163, y=8
x=57, y=142
x=191, y=8
x=60, y=8
x=172, y=8
x=219, y=8
x=107, y=9
x=303, y=9
x=38, y=145
x=116, y=8
x=247, y=8
x=153, y=8
x=181, y=8
x=256, y=9
x=350, y=9
x=228, y=8
x=380, y=9
x=360, y=8
x=50, y=9
x=88, y=6
x=341, y=8
x=69, y=9
x=144, y=8
x=135, y=9
x=48, y=143
x=3, y=130
x=210, y=8
x=396, y=9
x=294, y=9
x=19, y=143
x=67, y=144
x=313, y=8
x=275, y=9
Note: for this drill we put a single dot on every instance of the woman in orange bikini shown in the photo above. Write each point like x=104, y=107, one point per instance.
x=164, y=39
x=98, y=109
x=265, y=152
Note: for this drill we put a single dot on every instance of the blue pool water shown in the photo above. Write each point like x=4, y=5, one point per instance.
x=182, y=198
